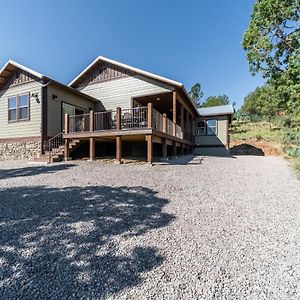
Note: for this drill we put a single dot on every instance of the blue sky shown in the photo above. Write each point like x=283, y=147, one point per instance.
x=188, y=41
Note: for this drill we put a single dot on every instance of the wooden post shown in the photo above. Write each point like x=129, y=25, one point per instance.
x=164, y=149
x=92, y=148
x=181, y=149
x=182, y=112
x=118, y=149
x=165, y=123
x=174, y=150
x=150, y=115
x=67, y=151
x=118, y=125
x=67, y=123
x=174, y=113
x=149, y=148
x=91, y=121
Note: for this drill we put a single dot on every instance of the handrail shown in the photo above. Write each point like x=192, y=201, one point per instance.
x=54, y=144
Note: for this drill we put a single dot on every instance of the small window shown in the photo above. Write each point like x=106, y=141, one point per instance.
x=18, y=108
x=207, y=127
x=23, y=107
x=201, y=128
x=12, y=109
x=211, y=127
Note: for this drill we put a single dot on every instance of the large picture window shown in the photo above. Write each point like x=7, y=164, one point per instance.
x=18, y=108
x=207, y=127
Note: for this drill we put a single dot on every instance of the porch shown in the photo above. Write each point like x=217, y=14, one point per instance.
x=150, y=124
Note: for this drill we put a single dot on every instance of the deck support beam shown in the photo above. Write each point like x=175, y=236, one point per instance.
x=149, y=148
x=92, y=148
x=174, y=149
x=66, y=150
x=164, y=149
x=118, y=149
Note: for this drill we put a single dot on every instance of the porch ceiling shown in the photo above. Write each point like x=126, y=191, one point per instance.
x=161, y=102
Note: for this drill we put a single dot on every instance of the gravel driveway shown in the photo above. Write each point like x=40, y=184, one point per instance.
x=228, y=228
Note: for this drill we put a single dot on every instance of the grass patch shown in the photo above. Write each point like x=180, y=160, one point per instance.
x=256, y=131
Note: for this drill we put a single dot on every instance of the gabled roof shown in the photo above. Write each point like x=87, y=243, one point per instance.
x=127, y=67
x=216, y=110
x=11, y=66
x=135, y=70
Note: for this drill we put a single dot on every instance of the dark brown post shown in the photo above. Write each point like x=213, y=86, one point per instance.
x=118, y=149
x=91, y=121
x=66, y=152
x=67, y=123
x=149, y=148
x=174, y=113
x=164, y=149
x=150, y=115
x=174, y=150
x=92, y=148
x=118, y=127
x=164, y=123
x=182, y=121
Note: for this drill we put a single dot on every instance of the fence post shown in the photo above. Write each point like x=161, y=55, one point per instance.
x=150, y=115
x=118, y=125
x=91, y=121
x=67, y=123
x=165, y=123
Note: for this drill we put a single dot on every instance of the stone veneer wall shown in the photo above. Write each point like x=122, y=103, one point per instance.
x=19, y=150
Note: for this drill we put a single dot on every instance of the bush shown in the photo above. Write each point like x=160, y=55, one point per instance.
x=292, y=151
x=291, y=137
x=258, y=137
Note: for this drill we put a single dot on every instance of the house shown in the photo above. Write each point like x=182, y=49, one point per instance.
x=211, y=130
x=109, y=109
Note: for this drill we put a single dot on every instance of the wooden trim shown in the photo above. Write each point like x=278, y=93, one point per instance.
x=150, y=115
x=174, y=112
x=91, y=120
x=21, y=139
x=118, y=118
x=67, y=123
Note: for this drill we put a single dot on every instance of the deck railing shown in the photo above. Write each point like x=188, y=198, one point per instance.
x=125, y=119
x=105, y=120
x=79, y=123
x=134, y=118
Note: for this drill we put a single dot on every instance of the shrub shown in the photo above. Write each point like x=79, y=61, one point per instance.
x=258, y=137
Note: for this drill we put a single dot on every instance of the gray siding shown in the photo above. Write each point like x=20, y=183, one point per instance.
x=55, y=107
x=222, y=135
x=119, y=92
x=23, y=128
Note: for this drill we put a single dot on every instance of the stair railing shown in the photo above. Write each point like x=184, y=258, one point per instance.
x=55, y=144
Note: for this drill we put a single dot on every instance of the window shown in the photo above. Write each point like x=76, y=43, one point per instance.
x=12, y=109
x=211, y=127
x=201, y=128
x=206, y=127
x=18, y=108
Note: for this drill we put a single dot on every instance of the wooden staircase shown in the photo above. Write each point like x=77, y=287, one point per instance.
x=57, y=154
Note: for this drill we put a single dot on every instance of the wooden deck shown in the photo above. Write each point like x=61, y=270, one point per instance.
x=136, y=124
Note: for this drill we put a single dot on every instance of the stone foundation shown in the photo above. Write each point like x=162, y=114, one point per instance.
x=19, y=150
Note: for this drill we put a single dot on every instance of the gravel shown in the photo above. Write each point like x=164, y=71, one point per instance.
x=216, y=228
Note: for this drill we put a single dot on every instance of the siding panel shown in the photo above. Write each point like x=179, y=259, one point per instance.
x=55, y=107
x=118, y=92
x=23, y=128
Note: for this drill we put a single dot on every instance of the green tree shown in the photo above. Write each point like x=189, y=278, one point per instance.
x=196, y=93
x=264, y=101
x=216, y=101
x=272, y=43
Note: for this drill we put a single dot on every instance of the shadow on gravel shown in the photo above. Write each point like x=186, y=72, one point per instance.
x=32, y=171
x=67, y=243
